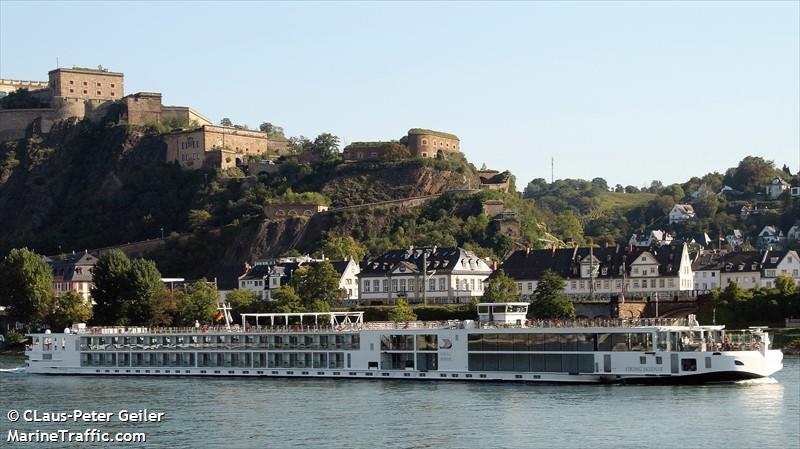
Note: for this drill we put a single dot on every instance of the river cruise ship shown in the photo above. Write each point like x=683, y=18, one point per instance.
x=502, y=345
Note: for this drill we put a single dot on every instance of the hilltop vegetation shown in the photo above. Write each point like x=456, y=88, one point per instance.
x=578, y=209
x=92, y=185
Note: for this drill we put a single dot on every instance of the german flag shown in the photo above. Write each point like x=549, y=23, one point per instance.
x=219, y=316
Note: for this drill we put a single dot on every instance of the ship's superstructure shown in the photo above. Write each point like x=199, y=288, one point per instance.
x=501, y=346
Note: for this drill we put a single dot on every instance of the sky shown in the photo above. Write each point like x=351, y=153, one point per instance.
x=626, y=91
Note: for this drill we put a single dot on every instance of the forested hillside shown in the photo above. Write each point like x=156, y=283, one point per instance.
x=86, y=186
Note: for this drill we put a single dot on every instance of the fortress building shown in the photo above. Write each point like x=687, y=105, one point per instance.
x=420, y=142
x=88, y=84
x=85, y=93
x=214, y=146
x=429, y=143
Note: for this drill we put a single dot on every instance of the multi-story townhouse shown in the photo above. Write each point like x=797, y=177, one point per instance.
x=775, y=263
x=269, y=274
x=432, y=275
x=600, y=273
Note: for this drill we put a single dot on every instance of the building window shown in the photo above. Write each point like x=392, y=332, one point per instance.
x=85, y=83
x=71, y=82
x=432, y=285
x=376, y=285
x=424, y=141
x=98, y=93
x=112, y=94
x=394, y=285
x=112, y=85
x=85, y=92
x=385, y=285
x=98, y=84
x=366, y=286
x=72, y=91
x=441, y=284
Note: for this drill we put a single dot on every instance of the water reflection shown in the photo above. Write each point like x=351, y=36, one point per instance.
x=397, y=414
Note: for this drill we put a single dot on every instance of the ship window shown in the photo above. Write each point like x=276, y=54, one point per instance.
x=659, y=360
x=642, y=360
x=689, y=364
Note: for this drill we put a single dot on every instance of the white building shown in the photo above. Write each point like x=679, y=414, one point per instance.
x=635, y=272
x=794, y=232
x=775, y=263
x=706, y=269
x=770, y=235
x=681, y=213
x=269, y=274
x=655, y=237
x=432, y=275
x=776, y=187
x=743, y=268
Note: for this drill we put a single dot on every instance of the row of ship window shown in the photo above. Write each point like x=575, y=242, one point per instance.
x=219, y=359
x=540, y=342
x=267, y=341
x=542, y=363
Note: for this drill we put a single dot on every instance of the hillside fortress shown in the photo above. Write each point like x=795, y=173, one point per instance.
x=81, y=93
x=420, y=142
x=99, y=94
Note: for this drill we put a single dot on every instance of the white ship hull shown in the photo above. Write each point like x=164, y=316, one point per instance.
x=521, y=354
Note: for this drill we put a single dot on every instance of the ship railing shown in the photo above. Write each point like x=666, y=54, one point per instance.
x=585, y=323
x=381, y=325
x=112, y=331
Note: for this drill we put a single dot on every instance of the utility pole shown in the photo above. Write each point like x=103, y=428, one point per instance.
x=552, y=164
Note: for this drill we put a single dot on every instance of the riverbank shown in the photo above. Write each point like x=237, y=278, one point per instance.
x=785, y=339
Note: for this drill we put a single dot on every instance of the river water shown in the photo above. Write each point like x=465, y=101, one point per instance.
x=284, y=413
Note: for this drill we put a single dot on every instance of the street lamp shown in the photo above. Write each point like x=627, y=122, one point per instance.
x=162, y=232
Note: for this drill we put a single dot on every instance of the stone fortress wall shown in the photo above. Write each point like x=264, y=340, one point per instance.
x=8, y=86
x=217, y=146
x=86, y=93
x=420, y=142
x=429, y=143
x=91, y=84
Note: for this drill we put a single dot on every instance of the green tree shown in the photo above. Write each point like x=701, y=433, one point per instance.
x=287, y=300
x=394, y=151
x=752, y=174
x=241, y=301
x=226, y=122
x=317, y=282
x=68, y=309
x=785, y=285
x=340, y=248
x=402, y=312
x=198, y=303
x=325, y=146
x=142, y=294
x=110, y=284
x=568, y=226
x=271, y=129
x=500, y=288
x=198, y=218
x=27, y=283
x=707, y=204
x=549, y=300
